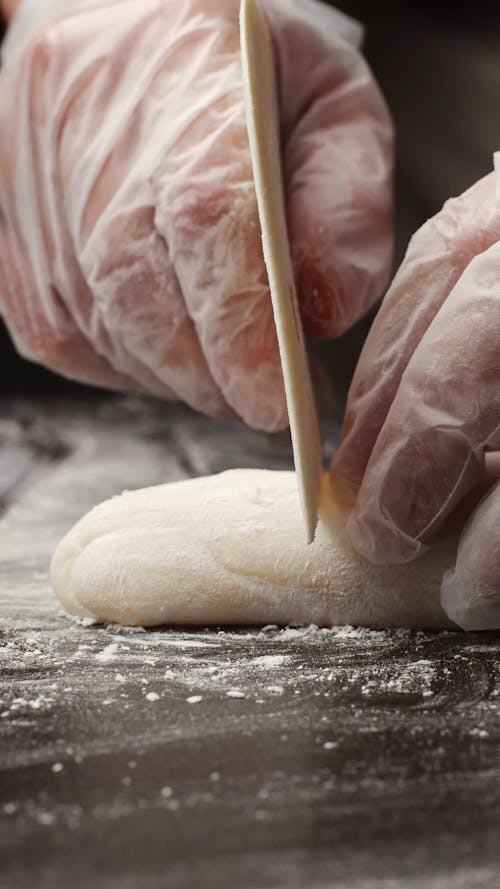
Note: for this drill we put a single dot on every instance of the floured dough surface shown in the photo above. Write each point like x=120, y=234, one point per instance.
x=229, y=549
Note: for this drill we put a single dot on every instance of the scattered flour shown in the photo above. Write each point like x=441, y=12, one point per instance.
x=108, y=653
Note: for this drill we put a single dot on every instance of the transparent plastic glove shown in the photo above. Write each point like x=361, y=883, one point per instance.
x=424, y=405
x=129, y=244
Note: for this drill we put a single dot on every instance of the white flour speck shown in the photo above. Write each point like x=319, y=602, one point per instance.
x=10, y=808
x=108, y=653
x=478, y=733
x=270, y=660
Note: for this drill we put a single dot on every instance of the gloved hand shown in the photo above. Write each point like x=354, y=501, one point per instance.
x=130, y=251
x=424, y=406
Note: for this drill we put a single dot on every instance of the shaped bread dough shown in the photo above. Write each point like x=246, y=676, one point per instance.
x=229, y=549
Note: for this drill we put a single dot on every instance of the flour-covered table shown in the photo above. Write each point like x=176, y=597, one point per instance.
x=258, y=757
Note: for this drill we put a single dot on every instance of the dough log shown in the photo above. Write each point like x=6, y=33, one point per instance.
x=229, y=549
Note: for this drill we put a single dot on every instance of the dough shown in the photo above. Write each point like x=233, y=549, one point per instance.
x=229, y=549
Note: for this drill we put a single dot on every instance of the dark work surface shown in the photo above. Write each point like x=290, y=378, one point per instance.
x=258, y=757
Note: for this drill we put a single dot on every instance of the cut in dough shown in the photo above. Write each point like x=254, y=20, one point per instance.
x=229, y=549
